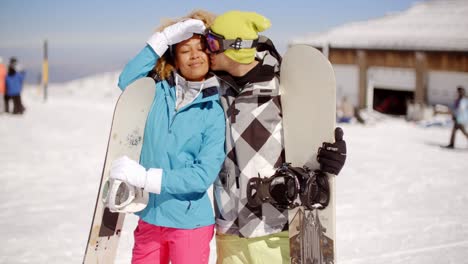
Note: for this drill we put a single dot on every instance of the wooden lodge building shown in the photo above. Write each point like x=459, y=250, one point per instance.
x=420, y=55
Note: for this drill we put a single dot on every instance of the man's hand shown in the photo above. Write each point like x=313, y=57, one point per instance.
x=332, y=156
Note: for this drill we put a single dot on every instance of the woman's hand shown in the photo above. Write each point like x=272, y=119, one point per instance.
x=175, y=33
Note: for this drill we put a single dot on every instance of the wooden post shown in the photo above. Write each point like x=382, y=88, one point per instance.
x=420, y=93
x=362, y=64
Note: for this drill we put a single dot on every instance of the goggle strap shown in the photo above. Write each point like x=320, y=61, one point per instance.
x=239, y=43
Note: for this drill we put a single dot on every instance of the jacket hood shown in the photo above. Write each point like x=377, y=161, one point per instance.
x=189, y=92
x=210, y=81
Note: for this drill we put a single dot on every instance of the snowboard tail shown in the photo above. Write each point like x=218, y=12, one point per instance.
x=125, y=138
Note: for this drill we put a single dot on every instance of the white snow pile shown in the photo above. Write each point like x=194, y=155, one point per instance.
x=401, y=198
x=96, y=87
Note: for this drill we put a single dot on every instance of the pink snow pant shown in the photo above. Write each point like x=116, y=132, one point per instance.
x=159, y=245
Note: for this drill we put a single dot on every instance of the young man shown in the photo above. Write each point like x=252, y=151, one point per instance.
x=460, y=116
x=248, y=66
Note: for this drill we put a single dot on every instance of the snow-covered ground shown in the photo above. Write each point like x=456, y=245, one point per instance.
x=400, y=199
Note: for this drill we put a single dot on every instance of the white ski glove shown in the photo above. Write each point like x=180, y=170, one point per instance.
x=131, y=172
x=176, y=33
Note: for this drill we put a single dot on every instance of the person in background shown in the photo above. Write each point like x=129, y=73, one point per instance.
x=3, y=73
x=14, y=87
x=345, y=111
x=183, y=145
x=248, y=67
x=459, y=115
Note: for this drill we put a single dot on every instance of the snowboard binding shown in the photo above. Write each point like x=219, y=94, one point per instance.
x=121, y=197
x=283, y=189
x=280, y=190
x=316, y=190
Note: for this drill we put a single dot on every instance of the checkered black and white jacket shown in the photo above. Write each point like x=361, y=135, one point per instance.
x=254, y=147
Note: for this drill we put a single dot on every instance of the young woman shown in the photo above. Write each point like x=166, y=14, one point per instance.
x=183, y=145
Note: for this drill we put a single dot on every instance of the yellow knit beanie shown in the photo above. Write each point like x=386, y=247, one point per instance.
x=244, y=25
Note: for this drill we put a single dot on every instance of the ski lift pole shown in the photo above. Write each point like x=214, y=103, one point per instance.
x=45, y=71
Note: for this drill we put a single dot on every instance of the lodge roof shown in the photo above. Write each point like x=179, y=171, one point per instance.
x=436, y=25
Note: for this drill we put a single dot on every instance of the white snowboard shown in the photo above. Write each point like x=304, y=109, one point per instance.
x=126, y=138
x=308, y=98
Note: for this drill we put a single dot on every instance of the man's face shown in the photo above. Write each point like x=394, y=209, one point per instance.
x=219, y=62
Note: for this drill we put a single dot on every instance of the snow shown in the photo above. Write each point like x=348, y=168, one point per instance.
x=400, y=199
x=427, y=25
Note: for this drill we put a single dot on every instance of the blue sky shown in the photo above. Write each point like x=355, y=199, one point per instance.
x=92, y=36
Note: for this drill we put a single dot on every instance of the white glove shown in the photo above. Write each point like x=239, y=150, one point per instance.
x=131, y=172
x=128, y=170
x=176, y=33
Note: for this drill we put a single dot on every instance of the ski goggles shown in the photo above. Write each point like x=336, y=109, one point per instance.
x=217, y=43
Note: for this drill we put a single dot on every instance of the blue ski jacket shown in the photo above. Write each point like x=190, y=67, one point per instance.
x=14, y=83
x=187, y=144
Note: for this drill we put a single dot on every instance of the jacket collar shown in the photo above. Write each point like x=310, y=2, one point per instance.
x=207, y=84
x=199, y=92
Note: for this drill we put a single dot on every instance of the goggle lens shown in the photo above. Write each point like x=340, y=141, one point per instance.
x=213, y=43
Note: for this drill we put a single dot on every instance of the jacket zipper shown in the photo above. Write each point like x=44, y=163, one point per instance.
x=175, y=111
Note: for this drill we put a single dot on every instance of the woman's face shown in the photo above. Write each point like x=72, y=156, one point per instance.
x=191, y=59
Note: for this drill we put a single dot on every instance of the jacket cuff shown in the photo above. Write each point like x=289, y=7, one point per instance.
x=153, y=181
x=158, y=43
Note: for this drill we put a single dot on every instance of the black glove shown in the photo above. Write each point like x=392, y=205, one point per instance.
x=332, y=156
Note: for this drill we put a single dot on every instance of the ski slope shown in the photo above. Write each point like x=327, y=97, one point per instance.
x=400, y=199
